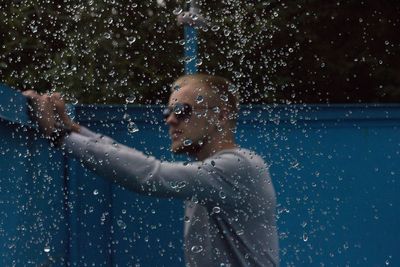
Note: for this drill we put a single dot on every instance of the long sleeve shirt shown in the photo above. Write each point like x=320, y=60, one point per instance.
x=229, y=197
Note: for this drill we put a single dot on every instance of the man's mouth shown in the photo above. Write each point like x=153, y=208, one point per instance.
x=175, y=134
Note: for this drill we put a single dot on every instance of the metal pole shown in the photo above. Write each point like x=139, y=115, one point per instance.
x=190, y=49
x=192, y=22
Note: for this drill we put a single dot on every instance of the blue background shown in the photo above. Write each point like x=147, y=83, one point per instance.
x=335, y=168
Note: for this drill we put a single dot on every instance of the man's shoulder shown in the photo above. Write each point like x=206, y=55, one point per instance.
x=241, y=152
x=243, y=165
x=240, y=155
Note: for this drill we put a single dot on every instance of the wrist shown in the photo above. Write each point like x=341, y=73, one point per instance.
x=58, y=135
x=75, y=127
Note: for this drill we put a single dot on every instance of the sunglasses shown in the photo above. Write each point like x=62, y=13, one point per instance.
x=182, y=111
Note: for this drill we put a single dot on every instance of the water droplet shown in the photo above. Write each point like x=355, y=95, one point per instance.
x=227, y=32
x=177, y=110
x=132, y=127
x=46, y=249
x=189, y=59
x=232, y=88
x=305, y=237
x=216, y=209
x=295, y=165
x=123, y=211
x=240, y=232
x=199, y=99
x=197, y=249
x=173, y=184
x=34, y=28
x=187, y=142
x=177, y=11
x=126, y=117
x=121, y=224
x=181, y=184
x=216, y=109
x=130, y=99
x=222, y=195
x=224, y=98
x=177, y=87
x=95, y=192
x=195, y=199
x=199, y=62
x=215, y=28
x=73, y=100
x=195, y=16
x=186, y=219
x=131, y=39
x=107, y=35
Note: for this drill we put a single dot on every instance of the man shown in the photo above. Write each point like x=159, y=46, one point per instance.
x=230, y=200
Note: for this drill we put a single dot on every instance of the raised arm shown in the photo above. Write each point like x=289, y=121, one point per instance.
x=216, y=180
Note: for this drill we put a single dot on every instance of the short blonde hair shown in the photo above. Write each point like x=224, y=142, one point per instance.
x=229, y=95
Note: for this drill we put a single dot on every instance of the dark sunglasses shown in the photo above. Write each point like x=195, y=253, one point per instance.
x=182, y=111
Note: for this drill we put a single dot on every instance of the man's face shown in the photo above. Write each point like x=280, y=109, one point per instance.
x=189, y=133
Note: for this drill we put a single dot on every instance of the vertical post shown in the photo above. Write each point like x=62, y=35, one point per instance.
x=190, y=49
x=192, y=22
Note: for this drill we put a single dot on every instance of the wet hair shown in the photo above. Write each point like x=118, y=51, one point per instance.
x=220, y=86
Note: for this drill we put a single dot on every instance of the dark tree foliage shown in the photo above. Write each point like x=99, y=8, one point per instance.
x=308, y=51
x=94, y=51
x=304, y=51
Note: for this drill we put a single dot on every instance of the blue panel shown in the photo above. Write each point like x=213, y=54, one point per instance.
x=336, y=182
x=33, y=228
x=12, y=105
x=138, y=229
x=190, y=50
x=335, y=169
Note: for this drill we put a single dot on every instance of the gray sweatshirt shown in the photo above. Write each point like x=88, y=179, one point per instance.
x=230, y=200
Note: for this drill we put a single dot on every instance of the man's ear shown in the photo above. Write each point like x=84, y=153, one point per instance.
x=223, y=116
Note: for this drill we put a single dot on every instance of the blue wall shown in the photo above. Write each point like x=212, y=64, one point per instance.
x=335, y=169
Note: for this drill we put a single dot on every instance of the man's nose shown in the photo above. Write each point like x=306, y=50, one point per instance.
x=171, y=119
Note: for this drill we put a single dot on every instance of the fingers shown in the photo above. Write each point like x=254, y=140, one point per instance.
x=58, y=102
x=30, y=94
x=42, y=110
x=49, y=109
x=60, y=109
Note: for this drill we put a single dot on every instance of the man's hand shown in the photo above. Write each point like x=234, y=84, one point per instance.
x=48, y=110
x=61, y=113
x=42, y=109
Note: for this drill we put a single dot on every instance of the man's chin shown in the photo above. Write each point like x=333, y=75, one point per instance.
x=178, y=149
x=181, y=149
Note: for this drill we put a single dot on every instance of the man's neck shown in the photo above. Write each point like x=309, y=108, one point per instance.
x=211, y=148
